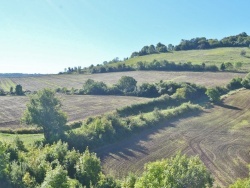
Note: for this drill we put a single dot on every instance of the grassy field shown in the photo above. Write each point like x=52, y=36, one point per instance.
x=76, y=81
x=28, y=139
x=78, y=107
x=220, y=136
x=212, y=56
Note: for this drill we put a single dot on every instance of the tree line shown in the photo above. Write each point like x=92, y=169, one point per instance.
x=162, y=65
x=18, y=90
x=240, y=40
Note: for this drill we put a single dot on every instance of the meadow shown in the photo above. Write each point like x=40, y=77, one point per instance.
x=219, y=136
x=211, y=57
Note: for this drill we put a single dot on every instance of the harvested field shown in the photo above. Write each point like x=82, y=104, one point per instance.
x=34, y=83
x=220, y=136
x=78, y=107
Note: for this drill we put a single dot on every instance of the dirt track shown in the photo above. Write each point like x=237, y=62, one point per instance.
x=220, y=136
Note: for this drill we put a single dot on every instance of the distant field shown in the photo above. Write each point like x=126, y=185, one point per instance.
x=212, y=56
x=220, y=136
x=76, y=81
x=78, y=107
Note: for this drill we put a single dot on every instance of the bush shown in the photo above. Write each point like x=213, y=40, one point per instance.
x=88, y=169
x=92, y=87
x=19, y=89
x=235, y=83
x=246, y=81
x=179, y=171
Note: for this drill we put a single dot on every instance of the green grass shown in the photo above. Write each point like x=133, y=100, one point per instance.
x=6, y=84
x=28, y=139
x=212, y=56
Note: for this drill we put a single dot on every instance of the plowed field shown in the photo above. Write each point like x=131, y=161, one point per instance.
x=220, y=136
x=34, y=83
x=77, y=107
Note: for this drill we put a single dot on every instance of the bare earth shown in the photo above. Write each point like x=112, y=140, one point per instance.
x=78, y=107
x=77, y=81
x=220, y=136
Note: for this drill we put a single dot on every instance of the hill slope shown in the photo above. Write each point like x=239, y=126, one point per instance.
x=219, y=136
x=212, y=56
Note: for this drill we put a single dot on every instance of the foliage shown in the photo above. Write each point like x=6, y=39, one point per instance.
x=213, y=94
x=129, y=181
x=4, y=157
x=92, y=87
x=110, y=127
x=246, y=81
x=44, y=111
x=241, y=183
x=56, y=178
x=147, y=90
x=19, y=89
x=88, y=169
x=179, y=171
x=235, y=83
x=127, y=84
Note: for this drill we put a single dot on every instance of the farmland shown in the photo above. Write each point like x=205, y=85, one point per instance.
x=77, y=107
x=211, y=57
x=35, y=83
x=220, y=136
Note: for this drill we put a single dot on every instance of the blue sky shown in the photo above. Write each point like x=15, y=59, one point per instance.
x=46, y=36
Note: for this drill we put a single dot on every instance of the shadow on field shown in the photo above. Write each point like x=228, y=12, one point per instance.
x=229, y=106
x=133, y=145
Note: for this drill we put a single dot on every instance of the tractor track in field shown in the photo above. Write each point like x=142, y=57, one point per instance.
x=224, y=151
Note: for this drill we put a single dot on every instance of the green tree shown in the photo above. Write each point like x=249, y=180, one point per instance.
x=11, y=90
x=19, y=89
x=213, y=94
x=222, y=67
x=127, y=84
x=177, y=172
x=56, y=178
x=88, y=169
x=3, y=161
x=246, y=81
x=44, y=110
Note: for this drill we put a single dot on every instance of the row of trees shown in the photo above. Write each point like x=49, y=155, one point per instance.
x=154, y=65
x=215, y=94
x=240, y=40
x=18, y=91
x=127, y=85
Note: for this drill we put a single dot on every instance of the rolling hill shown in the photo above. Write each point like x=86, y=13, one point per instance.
x=220, y=136
x=212, y=56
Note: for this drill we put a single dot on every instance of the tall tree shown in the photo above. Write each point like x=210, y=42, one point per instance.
x=44, y=110
x=19, y=89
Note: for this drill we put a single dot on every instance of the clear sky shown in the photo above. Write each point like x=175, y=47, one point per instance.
x=46, y=36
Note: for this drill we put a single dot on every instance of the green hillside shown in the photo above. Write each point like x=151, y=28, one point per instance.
x=211, y=56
